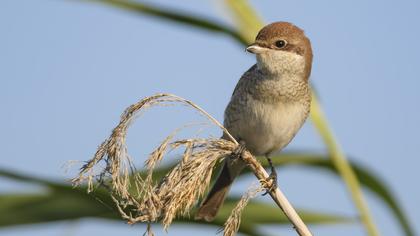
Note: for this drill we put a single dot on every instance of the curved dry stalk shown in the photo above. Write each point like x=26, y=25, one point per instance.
x=141, y=200
x=277, y=195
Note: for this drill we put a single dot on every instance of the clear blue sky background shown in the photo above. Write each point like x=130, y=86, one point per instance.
x=68, y=69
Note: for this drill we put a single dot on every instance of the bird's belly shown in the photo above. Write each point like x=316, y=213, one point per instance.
x=269, y=127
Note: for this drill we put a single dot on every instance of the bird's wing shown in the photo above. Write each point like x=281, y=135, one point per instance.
x=244, y=78
x=237, y=102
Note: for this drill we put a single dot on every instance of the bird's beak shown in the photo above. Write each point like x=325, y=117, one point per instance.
x=255, y=49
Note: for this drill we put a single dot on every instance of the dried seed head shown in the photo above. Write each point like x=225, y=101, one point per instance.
x=139, y=199
x=232, y=224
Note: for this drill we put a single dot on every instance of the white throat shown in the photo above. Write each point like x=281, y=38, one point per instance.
x=281, y=63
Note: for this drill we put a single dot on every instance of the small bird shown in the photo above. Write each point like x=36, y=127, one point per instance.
x=269, y=105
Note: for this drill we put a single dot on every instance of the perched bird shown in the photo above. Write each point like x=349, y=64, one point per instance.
x=269, y=105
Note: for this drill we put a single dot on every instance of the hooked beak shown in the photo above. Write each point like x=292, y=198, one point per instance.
x=255, y=49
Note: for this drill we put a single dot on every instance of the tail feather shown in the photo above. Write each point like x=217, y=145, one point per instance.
x=211, y=205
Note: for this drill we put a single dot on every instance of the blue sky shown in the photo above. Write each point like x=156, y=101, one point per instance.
x=68, y=69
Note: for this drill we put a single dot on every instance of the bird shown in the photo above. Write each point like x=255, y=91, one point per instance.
x=269, y=104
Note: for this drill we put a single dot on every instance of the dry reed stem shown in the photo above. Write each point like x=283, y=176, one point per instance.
x=277, y=195
x=139, y=199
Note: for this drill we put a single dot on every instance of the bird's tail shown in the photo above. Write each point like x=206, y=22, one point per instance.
x=218, y=193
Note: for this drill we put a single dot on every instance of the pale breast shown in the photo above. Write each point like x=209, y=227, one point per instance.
x=266, y=128
x=267, y=112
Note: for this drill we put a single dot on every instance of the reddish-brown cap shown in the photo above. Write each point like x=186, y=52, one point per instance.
x=295, y=39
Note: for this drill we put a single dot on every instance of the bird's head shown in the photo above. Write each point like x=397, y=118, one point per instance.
x=282, y=48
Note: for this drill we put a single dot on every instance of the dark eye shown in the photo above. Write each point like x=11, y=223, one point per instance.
x=280, y=43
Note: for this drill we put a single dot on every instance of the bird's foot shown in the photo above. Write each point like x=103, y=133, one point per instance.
x=239, y=151
x=271, y=182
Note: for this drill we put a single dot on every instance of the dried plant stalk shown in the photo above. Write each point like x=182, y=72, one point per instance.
x=277, y=195
x=139, y=199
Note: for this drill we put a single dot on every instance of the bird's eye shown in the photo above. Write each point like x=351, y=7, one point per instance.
x=280, y=43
